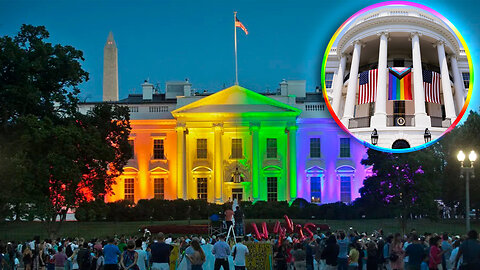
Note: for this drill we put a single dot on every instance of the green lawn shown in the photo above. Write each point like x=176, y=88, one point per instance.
x=26, y=230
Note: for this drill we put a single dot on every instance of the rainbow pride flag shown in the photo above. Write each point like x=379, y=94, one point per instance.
x=399, y=83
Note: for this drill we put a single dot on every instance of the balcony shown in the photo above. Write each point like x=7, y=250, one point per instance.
x=359, y=122
x=400, y=120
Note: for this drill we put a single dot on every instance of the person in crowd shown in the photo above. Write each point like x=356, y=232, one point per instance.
x=470, y=252
x=330, y=253
x=221, y=250
x=240, y=252
x=27, y=257
x=299, y=257
x=309, y=246
x=100, y=263
x=160, y=253
x=129, y=257
x=110, y=255
x=386, y=252
x=353, y=257
x=59, y=259
x=343, y=243
x=372, y=256
x=142, y=256
x=415, y=252
x=280, y=258
x=453, y=255
x=238, y=215
x=447, y=247
x=229, y=218
x=424, y=264
x=436, y=253
x=197, y=258
x=83, y=257
x=396, y=253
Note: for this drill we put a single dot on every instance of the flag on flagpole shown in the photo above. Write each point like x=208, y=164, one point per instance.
x=367, y=86
x=431, y=83
x=240, y=25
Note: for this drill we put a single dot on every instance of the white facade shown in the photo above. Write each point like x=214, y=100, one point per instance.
x=397, y=37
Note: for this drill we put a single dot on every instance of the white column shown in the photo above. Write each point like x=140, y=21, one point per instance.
x=181, y=164
x=446, y=87
x=217, y=162
x=352, y=84
x=337, y=90
x=421, y=118
x=458, y=82
x=379, y=119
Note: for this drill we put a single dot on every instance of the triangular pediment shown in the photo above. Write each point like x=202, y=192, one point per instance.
x=236, y=100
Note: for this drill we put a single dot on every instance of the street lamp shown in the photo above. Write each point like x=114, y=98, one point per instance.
x=374, y=136
x=427, y=136
x=467, y=171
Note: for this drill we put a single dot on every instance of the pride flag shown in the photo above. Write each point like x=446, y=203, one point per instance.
x=399, y=83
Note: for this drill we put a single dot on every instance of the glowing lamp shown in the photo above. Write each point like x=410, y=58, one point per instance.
x=461, y=156
x=472, y=156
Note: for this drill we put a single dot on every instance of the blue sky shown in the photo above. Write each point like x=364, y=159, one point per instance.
x=174, y=40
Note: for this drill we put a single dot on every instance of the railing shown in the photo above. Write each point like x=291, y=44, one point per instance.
x=315, y=107
x=359, y=122
x=400, y=121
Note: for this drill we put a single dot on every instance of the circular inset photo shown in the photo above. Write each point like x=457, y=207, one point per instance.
x=397, y=76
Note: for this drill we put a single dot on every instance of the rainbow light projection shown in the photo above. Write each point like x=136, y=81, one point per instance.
x=238, y=113
x=397, y=3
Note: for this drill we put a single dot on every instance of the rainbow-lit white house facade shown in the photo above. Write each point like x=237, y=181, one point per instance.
x=235, y=144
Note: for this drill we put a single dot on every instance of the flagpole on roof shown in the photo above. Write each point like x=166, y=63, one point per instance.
x=235, y=37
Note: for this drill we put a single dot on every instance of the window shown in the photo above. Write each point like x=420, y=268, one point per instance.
x=344, y=147
x=201, y=148
x=316, y=189
x=132, y=144
x=315, y=150
x=271, y=148
x=345, y=189
x=159, y=188
x=329, y=79
x=129, y=189
x=202, y=188
x=272, y=194
x=237, y=148
x=466, y=79
x=158, y=149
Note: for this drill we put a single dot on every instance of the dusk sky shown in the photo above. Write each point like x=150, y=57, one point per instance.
x=174, y=40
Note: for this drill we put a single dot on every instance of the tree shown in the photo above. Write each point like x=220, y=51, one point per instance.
x=53, y=157
x=463, y=137
x=402, y=183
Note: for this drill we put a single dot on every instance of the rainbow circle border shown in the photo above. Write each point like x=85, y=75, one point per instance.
x=397, y=3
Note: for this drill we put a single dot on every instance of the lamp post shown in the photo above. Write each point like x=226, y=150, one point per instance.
x=467, y=171
x=374, y=136
x=427, y=135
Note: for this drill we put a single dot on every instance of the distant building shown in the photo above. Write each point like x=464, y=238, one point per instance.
x=398, y=70
x=237, y=144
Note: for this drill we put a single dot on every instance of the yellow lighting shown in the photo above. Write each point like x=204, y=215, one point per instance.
x=461, y=156
x=472, y=156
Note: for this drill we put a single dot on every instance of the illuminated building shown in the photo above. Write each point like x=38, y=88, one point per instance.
x=400, y=71
x=237, y=143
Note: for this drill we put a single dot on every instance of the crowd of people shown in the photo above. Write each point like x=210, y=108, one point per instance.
x=331, y=250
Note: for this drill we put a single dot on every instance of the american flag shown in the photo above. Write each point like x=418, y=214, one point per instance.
x=367, y=86
x=431, y=84
x=240, y=24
